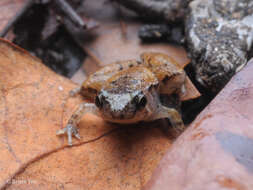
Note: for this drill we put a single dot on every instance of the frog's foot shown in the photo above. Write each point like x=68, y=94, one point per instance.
x=70, y=130
x=174, y=116
x=178, y=128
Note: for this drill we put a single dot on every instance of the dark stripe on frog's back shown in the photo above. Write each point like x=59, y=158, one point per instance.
x=123, y=84
x=124, y=65
x=119, y=66
x=130, y=80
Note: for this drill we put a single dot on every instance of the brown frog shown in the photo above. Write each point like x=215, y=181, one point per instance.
x=129, y=91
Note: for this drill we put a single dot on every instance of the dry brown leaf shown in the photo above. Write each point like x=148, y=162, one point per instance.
x=33, y=157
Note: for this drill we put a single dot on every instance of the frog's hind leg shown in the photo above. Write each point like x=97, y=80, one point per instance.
x=173, y=115
x=71, y=128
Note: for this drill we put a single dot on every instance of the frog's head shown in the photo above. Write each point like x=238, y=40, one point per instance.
x=124, y=107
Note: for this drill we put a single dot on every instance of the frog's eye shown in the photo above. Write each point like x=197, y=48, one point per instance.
x=141, y=102
x=98, y=102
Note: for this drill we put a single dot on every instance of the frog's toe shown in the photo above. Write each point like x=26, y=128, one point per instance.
x=70, y=130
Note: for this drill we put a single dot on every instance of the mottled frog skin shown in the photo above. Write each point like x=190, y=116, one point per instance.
x=128, y=92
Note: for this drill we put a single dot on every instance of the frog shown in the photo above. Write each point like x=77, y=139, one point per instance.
x=127, y=92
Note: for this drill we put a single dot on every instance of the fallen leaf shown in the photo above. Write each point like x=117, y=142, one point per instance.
x=34, y=105
x=216, y=151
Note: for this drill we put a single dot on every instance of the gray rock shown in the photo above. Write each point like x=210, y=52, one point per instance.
x=168, y=10
x=219, y=36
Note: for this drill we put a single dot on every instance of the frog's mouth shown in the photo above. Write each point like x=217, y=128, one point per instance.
x=128, y=113
x=124, y=121
x=125, y=116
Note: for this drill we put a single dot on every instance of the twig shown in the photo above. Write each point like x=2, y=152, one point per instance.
x=98, y=62
x=70, y=12
x=63, y=6
x=122, y=23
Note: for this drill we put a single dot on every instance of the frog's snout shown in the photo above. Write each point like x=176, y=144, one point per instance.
x=117, y=115
x=116, y=106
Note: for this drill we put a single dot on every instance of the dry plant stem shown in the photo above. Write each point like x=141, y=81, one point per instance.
x=122, y=24
x=94, y=57
x=13, y=20
x=70, y=12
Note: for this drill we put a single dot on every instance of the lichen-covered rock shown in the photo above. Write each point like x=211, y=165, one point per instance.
x=168, y=10
x=219, y=36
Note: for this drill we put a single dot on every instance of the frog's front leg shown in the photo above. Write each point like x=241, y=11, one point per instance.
x=173, y=115
x=71, y=128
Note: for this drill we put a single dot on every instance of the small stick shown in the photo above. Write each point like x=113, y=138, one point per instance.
x=14, y=19
x=123, y=29
x=70, y=12
x=122, y=23
x=123, y=26
x=98, y=62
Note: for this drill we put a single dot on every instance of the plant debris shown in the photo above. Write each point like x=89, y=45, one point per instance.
x=42, y=28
